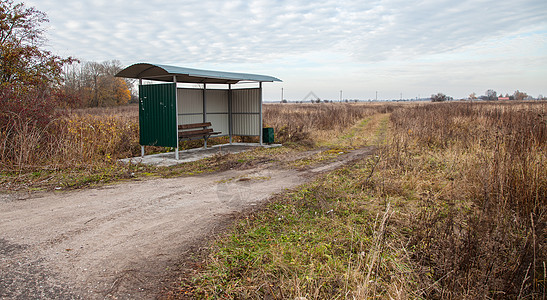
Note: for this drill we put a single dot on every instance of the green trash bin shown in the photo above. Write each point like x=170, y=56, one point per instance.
x=267, y=135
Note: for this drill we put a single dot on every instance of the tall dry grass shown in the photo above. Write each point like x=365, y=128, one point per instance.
x=479, y=173
x=71, y=141
x=92, y=139
x=306, y=123
x=98, y=136
x=453, y=207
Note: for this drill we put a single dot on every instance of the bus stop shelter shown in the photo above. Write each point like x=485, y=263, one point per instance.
x=165, y=108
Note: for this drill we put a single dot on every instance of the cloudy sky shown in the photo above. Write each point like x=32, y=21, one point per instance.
x=393, y=47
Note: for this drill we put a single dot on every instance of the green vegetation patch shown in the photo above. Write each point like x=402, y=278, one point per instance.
x=320, y=157
x=316, y=242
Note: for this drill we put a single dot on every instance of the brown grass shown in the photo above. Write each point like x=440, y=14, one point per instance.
x=72, y=141
x=87, y=137
x=91, y=140
x=479, y=173
x=453, y=207
x=316, y=123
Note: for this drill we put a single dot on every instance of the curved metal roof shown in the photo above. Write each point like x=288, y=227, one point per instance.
x=166, y=73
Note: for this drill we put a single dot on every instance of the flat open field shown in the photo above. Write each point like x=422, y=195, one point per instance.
x=444, y=200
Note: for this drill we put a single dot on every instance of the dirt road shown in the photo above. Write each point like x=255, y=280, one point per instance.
x=120, y=241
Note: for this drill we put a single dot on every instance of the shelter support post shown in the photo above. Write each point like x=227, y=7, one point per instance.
x=142, y=146
x=230, y=112
x=204, y=111
x=260, y=112
x=176, y=118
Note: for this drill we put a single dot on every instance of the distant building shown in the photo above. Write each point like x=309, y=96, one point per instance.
x=503, y=98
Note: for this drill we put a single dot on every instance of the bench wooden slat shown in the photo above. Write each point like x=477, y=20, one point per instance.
x=195, y=125
x=204, y=132
x=182, y=135
x=191, y=136
x=195, y=132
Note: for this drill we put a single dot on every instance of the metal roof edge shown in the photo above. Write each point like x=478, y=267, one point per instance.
x=135, y=70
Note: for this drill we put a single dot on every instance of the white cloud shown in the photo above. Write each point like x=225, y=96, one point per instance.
x=395, y=40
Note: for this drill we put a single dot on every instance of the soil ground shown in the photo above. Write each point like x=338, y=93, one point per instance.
x=122, y=241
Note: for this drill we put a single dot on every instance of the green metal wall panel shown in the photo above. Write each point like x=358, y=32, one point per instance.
x=157, y=115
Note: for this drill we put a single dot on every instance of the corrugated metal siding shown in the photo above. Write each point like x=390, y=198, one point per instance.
x=190, y=105
x=246, y=124
x=246, y=101
x=219, y=123
x=245, y=109
x=217, y=110
x=217, y=101
x=190, y=101
x=190, y=119
x=246, y=112
x=157, y=117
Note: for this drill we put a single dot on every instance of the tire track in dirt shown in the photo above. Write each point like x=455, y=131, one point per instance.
x=119, y=241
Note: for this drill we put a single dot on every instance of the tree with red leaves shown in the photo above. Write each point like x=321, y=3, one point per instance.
x=30, y=77
x=29, y=74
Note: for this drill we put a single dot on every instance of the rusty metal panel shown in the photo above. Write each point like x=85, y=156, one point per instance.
x=246, y=112
x=157, y=115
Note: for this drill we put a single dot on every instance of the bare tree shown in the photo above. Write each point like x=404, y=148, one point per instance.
x=93, y=84
x=520, y=95
x=472, y=96
x=491, y=95
x=439, y=97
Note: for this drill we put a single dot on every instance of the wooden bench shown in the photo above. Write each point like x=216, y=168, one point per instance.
x=196, y=130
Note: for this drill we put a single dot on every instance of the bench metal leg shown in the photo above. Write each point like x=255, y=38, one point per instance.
x=205, y=143
x=142, y=150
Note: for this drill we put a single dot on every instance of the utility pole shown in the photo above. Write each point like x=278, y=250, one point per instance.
x=340, y=95
x=376, y=95
x=281, y=95
x=401, y=96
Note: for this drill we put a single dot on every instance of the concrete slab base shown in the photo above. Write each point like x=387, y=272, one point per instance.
x=168, y=158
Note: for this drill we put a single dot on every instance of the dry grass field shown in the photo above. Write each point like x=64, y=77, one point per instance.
x=452, y=206
x=473, y=182
x=314, y=124
x=82, y=146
